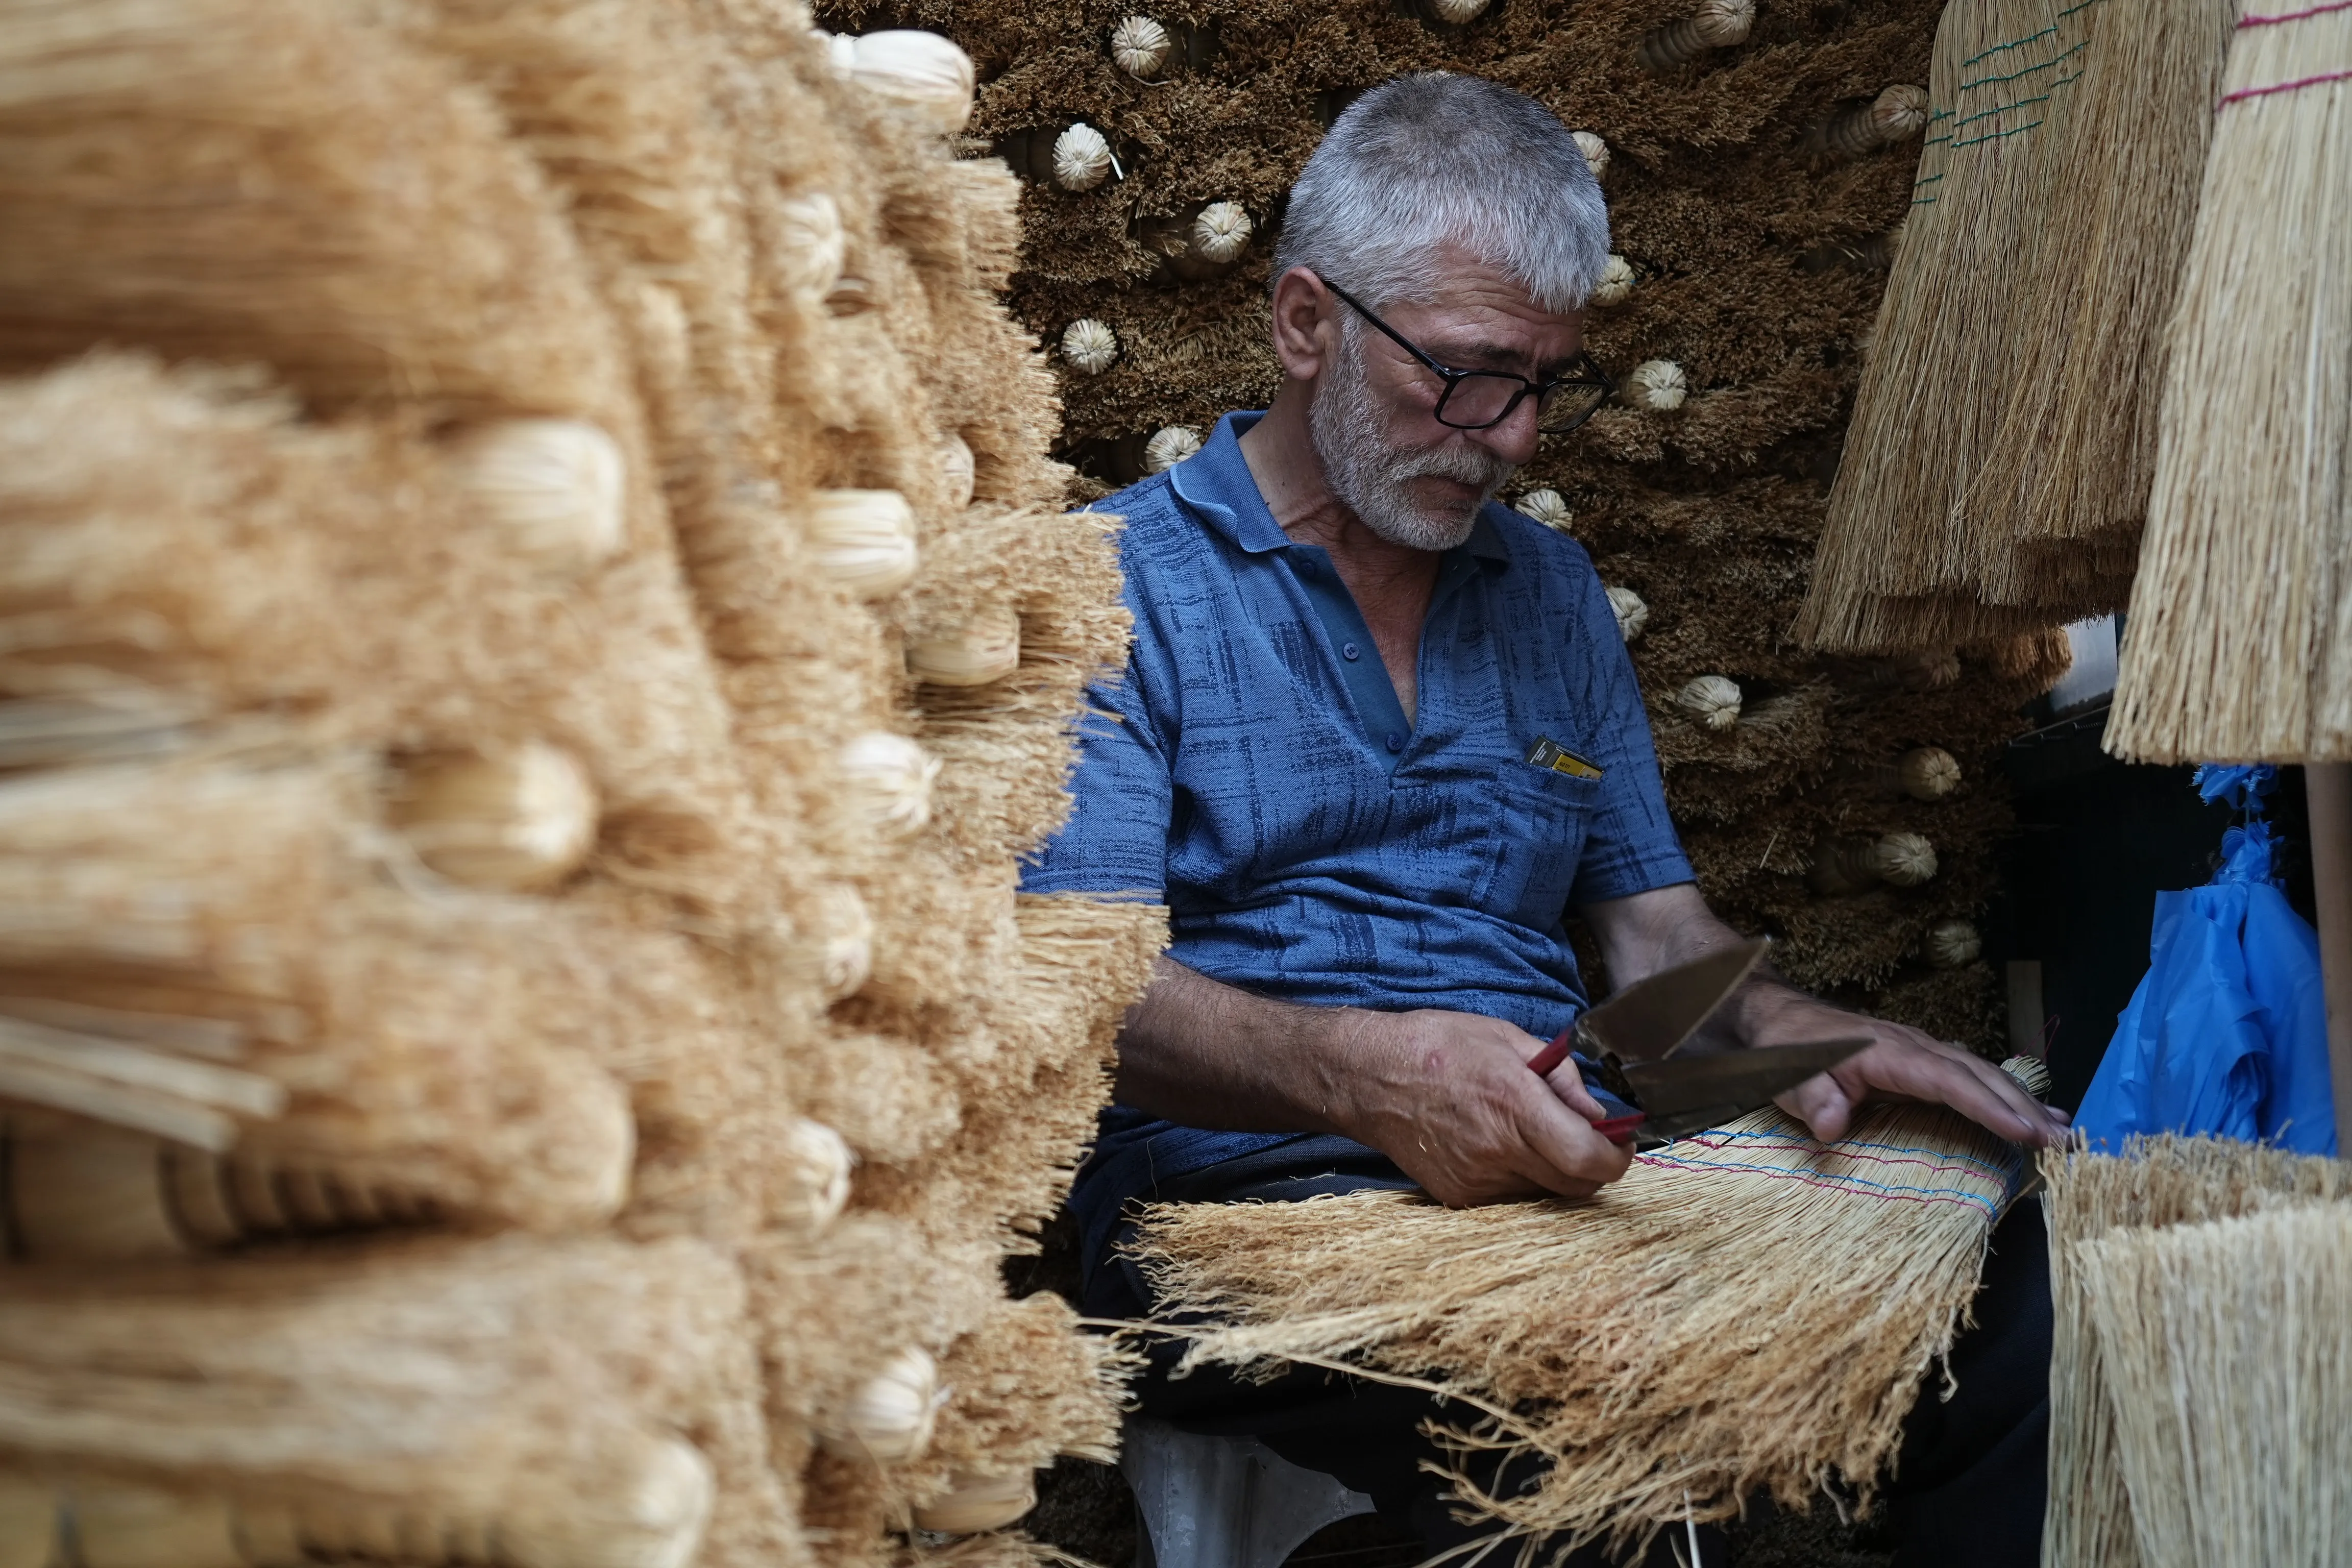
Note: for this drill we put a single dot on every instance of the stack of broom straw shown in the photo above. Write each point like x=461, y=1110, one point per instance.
x=2201, y=1389
x=2004, y=437
x=1747, y=1310
x=533, y=634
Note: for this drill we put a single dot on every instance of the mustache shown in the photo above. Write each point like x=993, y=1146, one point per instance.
x=1466, y=465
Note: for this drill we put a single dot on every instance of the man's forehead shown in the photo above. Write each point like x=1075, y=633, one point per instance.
x=1474, y=298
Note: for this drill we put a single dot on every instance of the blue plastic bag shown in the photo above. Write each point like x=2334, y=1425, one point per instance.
x=2228, y=1033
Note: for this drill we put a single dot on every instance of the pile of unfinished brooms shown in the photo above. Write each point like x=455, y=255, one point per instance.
x=535, y=624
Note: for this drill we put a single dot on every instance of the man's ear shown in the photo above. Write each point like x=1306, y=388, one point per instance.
x=1306, y=324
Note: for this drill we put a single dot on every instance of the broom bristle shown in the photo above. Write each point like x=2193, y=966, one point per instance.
x=2241, y=640
x=2231, y=1382
x=1747, y=1310
x=2074, y=454
x=2156, y=1182
x=365, y=227
x=1933, y=392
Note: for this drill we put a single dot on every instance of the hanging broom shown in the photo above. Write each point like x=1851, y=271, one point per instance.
x=2228, y=1368
x=1893, y=552
x=2241, y=628
x=2155, y=1182
x=1746, y=1309
x=2058, y=504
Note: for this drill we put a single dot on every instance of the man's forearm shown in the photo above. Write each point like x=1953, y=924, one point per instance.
x=1447, y=1096
x=1202, y=1053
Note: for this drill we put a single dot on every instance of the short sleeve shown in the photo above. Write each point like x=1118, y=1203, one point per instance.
x=1116, y=838
x=1631, y=845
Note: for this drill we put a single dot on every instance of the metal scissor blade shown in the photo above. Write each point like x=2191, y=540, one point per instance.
x=1646, y=1020
x=1730, y=1082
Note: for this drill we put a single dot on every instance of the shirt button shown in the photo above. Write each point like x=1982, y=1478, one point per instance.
x=1396, y=742
x=1348, y=650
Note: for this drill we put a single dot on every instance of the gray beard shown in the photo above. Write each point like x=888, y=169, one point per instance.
x=1367, y=474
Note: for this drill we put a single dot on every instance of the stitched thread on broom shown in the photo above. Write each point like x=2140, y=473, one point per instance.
x=2245, y=22
x=1859, y=1186
x=2246, y=93
x=1777, y=1141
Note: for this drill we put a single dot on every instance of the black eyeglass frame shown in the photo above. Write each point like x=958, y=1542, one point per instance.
x=1588, y=374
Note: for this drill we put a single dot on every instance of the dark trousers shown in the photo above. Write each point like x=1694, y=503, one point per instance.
x=1968, y=1481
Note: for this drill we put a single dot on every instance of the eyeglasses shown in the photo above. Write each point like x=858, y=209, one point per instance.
x=1482, y=399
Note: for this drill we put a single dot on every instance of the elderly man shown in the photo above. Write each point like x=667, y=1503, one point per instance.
x=1347, y=658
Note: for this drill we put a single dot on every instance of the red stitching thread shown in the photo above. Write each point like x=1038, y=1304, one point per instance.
x=2294, y=16
x=2246, y=93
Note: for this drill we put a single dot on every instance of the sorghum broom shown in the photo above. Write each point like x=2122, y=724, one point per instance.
x=2154, y=1182
x=2231, y=1382
x=1930, y=396
x=1747, y=1310
x=2071, y=461
x=1029, y=1385
x=195, y=952
x=365, y=227
x=175, y=538
x=517, y=1394
x=1029, y=1111
x=2241, y=624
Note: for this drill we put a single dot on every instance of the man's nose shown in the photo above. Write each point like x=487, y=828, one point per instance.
x=1515, y=439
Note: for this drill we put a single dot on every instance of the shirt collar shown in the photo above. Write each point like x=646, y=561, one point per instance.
x=1215, y=484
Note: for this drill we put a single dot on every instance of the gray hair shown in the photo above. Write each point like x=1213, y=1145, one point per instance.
x=1433, y=158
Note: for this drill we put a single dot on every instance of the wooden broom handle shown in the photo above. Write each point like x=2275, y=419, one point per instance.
x=2328, y=790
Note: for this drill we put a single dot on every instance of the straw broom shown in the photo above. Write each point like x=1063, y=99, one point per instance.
x=1747, y=1310
x=200, y=951
x=174, y=538
x=2069, y=468
x=519, y=1396
x=2240, y=642
x=1028, y=1112
x=1932, y=394
x=359, y=221
x=2232, y=1381
x=2156, y=1182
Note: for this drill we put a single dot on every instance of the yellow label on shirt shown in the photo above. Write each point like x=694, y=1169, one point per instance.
x=1550, y=753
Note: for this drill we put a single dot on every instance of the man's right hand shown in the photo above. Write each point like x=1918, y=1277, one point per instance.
x=1449, y=1098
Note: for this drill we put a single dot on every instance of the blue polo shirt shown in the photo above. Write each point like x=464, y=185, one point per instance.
x=1255, y=772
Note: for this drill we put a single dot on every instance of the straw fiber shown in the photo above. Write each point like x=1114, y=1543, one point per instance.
x=2240, y=642
x=1894, y=552
x=2062, y=491
x=176, y=535
x=498, y=1388
x=2155, y=1184
x=217, y=179
x=781, y=1065
x=1748, y=1311
x=2005, y=434
x=2227, y=1366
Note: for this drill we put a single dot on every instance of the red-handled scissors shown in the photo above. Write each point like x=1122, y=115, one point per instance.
x=1634, y=1041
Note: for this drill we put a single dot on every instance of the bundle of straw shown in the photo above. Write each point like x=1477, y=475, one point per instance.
x=1932, y=394
x=2232, y=1380
x=1746, y=1309
x=1906, y=556
x=2240, y=642
x=508, y=1392
x=2153, y=1184
x=176, y=538
x=233, y=179
x=2056, y=511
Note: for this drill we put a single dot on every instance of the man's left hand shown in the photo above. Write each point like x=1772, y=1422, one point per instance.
x=1900, y=1063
